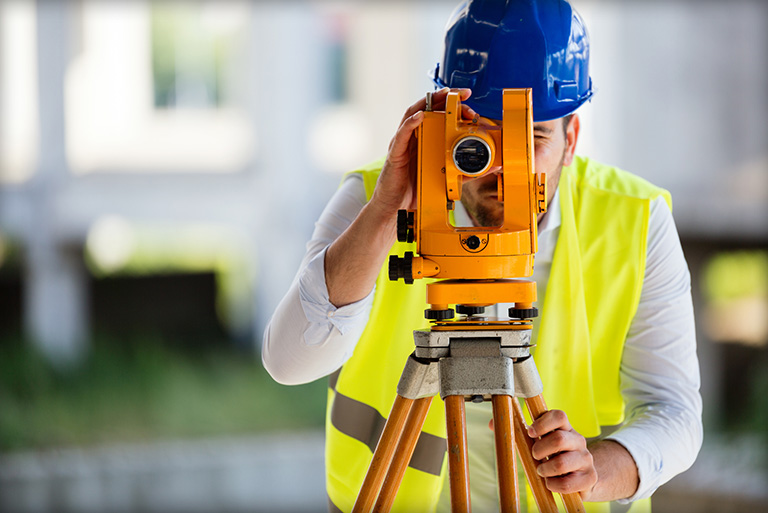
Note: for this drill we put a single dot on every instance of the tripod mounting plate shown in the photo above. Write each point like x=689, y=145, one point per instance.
x=470, y=364
x=436, y=344
x=477, y=376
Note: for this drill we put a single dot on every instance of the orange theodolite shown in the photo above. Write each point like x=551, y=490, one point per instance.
x=472, y=357
x=450, y=151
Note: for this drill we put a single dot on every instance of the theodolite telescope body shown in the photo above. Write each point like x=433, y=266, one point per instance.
x=452, y=150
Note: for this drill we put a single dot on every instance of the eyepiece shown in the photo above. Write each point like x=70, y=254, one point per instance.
x=472, y=155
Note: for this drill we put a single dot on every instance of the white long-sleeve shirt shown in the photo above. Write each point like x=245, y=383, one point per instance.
x=308, y=338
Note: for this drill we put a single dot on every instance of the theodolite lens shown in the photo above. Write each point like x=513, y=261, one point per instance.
x=472, y=155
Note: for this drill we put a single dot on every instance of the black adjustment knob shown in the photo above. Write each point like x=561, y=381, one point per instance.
x=408, y=267
x=470, y=310
x=394, y=268
x=401, y=267
x=523, y=313
x=405, y=223
x=402, y=225
x=473, y=242
x=438, y=315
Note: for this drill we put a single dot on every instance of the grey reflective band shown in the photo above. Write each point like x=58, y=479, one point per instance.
x=332, y=379
x=429, y=454
x=363, y=423
x=357, y=420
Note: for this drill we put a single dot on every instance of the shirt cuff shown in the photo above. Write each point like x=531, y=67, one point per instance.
x=321, y=314
x=648, y=459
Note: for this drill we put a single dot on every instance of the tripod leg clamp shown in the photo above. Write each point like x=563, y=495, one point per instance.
x=420, y=378
x=527, y=380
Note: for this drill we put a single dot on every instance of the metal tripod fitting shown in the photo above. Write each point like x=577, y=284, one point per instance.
x=419, y=379
x=476, y=368
x=527, y=380
x=436, y=344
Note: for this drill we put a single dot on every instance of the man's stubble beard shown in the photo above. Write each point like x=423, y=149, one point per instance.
x=481, y=213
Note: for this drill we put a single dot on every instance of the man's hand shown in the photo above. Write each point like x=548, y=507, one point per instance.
x=396, y=187
x=566, y=465
x=353, y=261
x=605, y=471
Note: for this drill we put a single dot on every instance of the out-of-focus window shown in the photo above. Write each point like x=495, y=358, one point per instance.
x=339, y=136
x=192, y=47
x=338, y=56
x=154, y=88
x=18, y=91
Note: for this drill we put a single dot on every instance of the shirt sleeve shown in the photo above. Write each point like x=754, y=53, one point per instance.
x=659, y=368
x=308, y=337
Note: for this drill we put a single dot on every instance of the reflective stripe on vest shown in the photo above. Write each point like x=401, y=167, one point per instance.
x=592, y=295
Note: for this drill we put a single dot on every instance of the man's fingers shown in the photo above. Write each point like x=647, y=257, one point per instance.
x=438, y=97
x=467, y=112
x=572, y=483
x=565, y=463
x=438, y=102
x=398, y=148
x=421, y=104
x=569, y=472
x=556, y=442
x=550, y=421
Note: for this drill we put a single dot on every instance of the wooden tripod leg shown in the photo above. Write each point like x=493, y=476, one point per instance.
x=403, y=454
x=458, y=465
x=544, y=498
x=537, y=407
x=509, y=498
x=382, y=456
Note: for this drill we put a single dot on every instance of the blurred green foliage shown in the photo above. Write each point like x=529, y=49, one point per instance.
x=735, y=285
x=145, y=389
x=737, y=274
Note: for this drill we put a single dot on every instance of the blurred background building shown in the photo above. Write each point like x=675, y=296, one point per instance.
x=162, y=164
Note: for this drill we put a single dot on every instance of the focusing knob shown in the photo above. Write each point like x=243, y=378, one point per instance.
x=401, y=267
x=470, y=310
x=438, y=315
x=523, y=313
x=410, y=237
x=402, y=225
x=394, y=267
x=405, y=222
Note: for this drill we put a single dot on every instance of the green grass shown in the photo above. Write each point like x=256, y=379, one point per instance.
x=145, y=390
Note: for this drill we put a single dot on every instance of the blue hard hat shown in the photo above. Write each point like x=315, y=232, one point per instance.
x=491, y=45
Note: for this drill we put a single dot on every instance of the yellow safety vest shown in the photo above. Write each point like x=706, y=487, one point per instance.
x=592, y=295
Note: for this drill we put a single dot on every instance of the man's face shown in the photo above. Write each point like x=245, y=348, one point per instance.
x=554, y=146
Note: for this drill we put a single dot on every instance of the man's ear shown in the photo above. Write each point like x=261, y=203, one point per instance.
x=571, y=137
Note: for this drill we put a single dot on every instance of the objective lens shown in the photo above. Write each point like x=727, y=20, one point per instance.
x=472, y=155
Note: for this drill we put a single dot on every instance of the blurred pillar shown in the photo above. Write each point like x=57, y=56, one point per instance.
x=287, y=54
x=55, y=285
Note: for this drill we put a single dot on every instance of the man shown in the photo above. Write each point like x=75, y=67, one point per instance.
x=615, y=341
